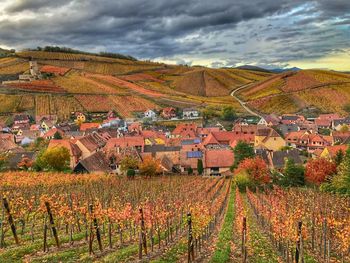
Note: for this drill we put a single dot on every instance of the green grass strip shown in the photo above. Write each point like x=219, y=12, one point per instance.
x=223, y=245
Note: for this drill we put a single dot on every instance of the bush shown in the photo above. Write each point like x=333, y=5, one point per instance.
x=242, y=181
x=130, y=173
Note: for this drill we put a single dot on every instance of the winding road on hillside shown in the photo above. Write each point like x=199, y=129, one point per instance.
x=244, y=104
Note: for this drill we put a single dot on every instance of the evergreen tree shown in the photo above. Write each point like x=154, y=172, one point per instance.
x=341, y=182
x=57, y=136
x=242, y=151
x=339, y=156
x=294, y=175
x=200, y=166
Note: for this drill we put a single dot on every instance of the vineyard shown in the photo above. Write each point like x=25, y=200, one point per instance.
x=55, y=217
x=102, y=218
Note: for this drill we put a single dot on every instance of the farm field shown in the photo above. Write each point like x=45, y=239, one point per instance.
x=100, y=218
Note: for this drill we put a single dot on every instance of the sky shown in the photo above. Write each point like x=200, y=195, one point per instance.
x=214, y=33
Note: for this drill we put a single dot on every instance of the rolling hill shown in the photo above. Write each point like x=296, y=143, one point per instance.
x=326, y=91
x=97, y=83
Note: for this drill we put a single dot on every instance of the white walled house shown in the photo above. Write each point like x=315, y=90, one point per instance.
x=190, y=113
x=150, y=114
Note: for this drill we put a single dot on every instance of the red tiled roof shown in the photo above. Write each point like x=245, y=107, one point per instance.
x=69, y=144
x=336, y=148
x=52, y=132
x=92, y=141
x=123, y=142
x=88, y=126
x=187, y=130
x=218, y=158
x=330, y=116
x=323, y=122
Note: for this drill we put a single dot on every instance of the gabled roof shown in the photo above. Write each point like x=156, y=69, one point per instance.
x=97, y=162
x=92, y=141
x=50, y=133
x=185, y=130
x=210, y=139
x=73, y=148
x=123, y=142
x=222, y=158
x=278, y=158
x=333, y=150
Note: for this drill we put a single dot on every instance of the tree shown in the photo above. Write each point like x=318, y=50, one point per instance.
x=56, y=158
x=338, y=158
x=293, y=174
x=319, y=170
x=200, y=166
x=3, y=161
x=128, y=162
x=341, y=181
x=190, y=171
x=57, y=136
x=228, y=113
x=242, y=151
x=150, y=167
x=130, y=173
x=256, y=168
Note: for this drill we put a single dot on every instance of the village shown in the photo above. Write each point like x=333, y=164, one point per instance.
x=190, y=148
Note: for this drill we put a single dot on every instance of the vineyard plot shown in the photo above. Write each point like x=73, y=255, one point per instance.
x=106, y=217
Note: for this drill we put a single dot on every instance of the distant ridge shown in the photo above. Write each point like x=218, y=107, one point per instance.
x=281, y=70
x=254, y=68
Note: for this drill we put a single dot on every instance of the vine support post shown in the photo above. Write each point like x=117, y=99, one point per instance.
x=190, y=248
x=52, y=224
x=10, y=220
x=142, y=240
x=244, y=240
x=97, y=229
x=299, y=253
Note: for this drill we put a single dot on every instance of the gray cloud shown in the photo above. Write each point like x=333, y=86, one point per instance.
x=193, y=30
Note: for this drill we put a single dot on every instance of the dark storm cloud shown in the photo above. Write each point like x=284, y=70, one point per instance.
x=158, y=28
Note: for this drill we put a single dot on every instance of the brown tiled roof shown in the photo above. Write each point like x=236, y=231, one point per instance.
x=218, y=158
x=123, y=142
x=92, y=141
x=97, y=162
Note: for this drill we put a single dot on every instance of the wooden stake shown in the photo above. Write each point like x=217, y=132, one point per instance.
x=52, y=223
x=10, y=220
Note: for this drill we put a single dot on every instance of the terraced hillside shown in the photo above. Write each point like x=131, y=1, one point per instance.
x=327, y=91
x=96, y=84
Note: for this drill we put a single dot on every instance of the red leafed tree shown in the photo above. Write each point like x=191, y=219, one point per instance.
x=317, y=170
x=256, y=168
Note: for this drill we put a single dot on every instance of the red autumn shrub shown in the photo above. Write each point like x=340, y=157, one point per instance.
x=256, y=169
x=317, y=170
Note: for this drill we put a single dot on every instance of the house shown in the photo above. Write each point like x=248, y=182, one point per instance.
x=168, y=113
x=216, y=162
x=21, y=119
x=149, y=114
x=74, y=151
x=7, y=144
x=80, y=117
x=268, y=138
x=50, y=134
x=115, y=158
x=190, y=113
x=277, y=159
x=287, y=128
x=341, y=137
x=324, y=121
x=90, y=144
x=330, y=152
x=292, y=118
x=46, y=125
x=340, y=123
x=203, y=132
x=111, y=115
x=185, y=130
x=309, y=141
x=135, y=128
x=118, y=144
x=95, y=163
x=89, y=126
x=271, y=120
x=191, y=151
